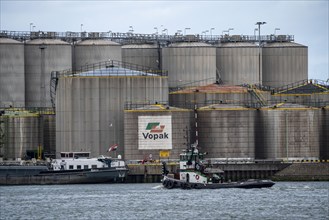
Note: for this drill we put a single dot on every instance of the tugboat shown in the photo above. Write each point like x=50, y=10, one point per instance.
x=195, y=175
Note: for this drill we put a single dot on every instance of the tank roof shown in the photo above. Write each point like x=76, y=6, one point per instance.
x=97, y=42
x=139, y=46
x=283, y=44
x=190, y=44
x=237, y=44
x=213, y=88
x=157, y=107
x=287, y=106
x=114, y=71
x=9, y=41
x=19, y=113
x=47, y=41
x=224, y=107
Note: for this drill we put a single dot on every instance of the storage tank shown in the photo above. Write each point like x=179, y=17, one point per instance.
x=284, y=63
x=153, y=130
x=89, y=107
x=42, y=56
x=288, y=132
x=12, y=84
x=90, y=51
x=211, y=94
x=239, y=63
x=48, y=121
x=226, y=131
x=189, y=64
x=324, y=137
x=148, y=55
x=21, y=134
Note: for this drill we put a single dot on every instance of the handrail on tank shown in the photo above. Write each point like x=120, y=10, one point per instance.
x=127, y=68
x=129, y=37
x=129, y=105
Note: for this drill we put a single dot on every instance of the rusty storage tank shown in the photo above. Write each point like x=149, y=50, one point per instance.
x=189, y=63
x=12, y=81
x=21, y=132
x=151, y=129
x=227, y=131
x=288, y=131
x=48, y=125
x=239, y=63
x=148, y=55
x=284, y=63
x=214, y=93
x=89, y=106
x=42, y=56
x=324, y=131
x=91, y=51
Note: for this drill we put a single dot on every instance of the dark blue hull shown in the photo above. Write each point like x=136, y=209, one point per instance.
x=39, y=175
x=171, y=183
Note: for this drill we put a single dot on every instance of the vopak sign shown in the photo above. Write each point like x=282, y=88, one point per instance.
x=154, y=132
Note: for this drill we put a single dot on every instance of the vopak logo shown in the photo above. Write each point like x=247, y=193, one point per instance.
x=156, y=131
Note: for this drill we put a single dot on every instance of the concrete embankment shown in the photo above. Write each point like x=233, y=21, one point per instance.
x=151, y=173
x=303, y=172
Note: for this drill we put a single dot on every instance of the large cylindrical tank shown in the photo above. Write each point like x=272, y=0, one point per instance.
x=148, y=55
x=239, y=63
x=42, y=56
x=288, y=132
x=21, y=134
x=49, y=134
x=12, y=81
x=284, y=63
x=89, y=108
x=226, y=131
x=173, y=123
x=189, y=64
x=88, y=52
x=211, y=94
x=324, y=131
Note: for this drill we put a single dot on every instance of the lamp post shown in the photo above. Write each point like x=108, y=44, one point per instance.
x=230, y=29
x=165, y=31
x=276, y=29
x=131, y=29
x=155, y=28
x=179, y=31
x=259, y=45
x=255, y=30
x=33, y=27
x=81, y=28
x=185, y=30
x=225, y=31
x=211, y=29
x=31, y=24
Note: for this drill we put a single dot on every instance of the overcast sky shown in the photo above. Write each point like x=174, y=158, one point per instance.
x=306, y=20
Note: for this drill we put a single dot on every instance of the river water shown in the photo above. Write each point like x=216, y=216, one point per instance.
x=285, y=200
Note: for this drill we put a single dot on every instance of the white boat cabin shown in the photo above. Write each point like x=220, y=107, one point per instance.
x=82, y=160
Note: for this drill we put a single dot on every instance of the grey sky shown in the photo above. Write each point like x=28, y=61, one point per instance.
x=306, y=20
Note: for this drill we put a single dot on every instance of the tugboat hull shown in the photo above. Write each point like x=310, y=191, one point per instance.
x=171, y=183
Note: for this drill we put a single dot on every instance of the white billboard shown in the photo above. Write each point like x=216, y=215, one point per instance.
x=154, y=132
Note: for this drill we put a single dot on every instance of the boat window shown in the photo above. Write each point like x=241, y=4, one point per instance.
x=70, y=155
x=85, y=167
x=71, y=167
x=62, y=155
x=79, y=167
x=93, y=166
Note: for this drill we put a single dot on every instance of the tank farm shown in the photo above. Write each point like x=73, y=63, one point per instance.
x=245, y=100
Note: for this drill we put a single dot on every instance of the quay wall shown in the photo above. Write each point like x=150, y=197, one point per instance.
x=152, y=173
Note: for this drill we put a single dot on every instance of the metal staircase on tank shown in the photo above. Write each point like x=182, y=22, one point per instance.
x=53, y=87
x=252, y=89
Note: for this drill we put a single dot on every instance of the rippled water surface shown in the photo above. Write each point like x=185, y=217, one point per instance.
x=285, y=200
